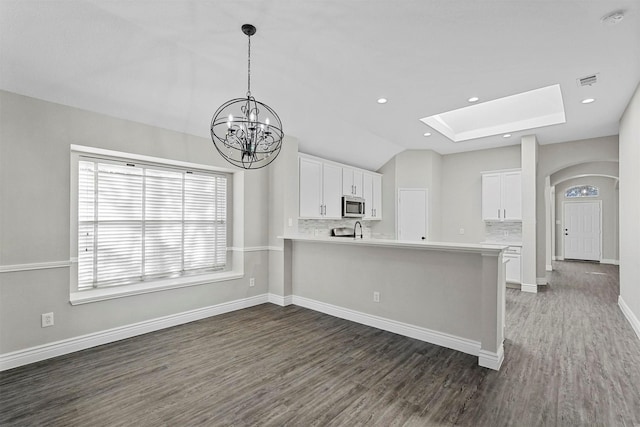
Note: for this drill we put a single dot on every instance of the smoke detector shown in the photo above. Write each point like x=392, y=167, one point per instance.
x=613, y=18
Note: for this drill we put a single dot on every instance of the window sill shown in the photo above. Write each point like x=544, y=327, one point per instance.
x=96, y=295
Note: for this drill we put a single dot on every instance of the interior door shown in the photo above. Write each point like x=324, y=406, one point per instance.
x=582, y=230
x=412, y=214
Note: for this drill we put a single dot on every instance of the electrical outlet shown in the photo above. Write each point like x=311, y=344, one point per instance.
x=252, y=282
x=47, y=319
x=376, y=297
x=316, y=232
x=461, y=231
x=290, y=222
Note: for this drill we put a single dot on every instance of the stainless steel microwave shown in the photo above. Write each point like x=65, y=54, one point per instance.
x=352, y=207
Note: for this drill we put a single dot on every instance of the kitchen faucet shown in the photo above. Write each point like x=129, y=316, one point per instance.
x=355, y=236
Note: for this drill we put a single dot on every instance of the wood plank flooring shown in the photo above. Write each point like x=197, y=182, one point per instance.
x=570, y=359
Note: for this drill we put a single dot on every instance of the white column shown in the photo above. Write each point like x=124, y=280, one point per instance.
x=529, y=153
x=548, y=206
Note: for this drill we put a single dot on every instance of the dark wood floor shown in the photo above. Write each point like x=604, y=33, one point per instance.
x=570, y=359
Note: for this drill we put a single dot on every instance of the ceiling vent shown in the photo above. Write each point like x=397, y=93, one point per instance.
x=588, y=80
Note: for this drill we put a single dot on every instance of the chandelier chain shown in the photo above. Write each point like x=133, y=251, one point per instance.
x=249, y=69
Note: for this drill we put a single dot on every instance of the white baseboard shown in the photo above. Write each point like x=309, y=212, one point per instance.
x=559, y=258
x=525, y=287
x=541, y=281
x=549, y=267
x=486, y=359
x=70, y=345
x=610, y=261
x=635, y=323
x=282, y=301
x=58, y=348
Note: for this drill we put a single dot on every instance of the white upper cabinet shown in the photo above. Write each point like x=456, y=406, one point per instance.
x=512, y=196
x=502, y=196
x=322, y=183
x=352, y=184
x=311, y=204
x=320, y=189
x=372, y=190
x=331, y=194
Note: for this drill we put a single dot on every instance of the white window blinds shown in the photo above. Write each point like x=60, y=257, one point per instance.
x=138, y=222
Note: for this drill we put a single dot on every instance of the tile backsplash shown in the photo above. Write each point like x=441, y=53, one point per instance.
x=503, y=231
x=322, y=227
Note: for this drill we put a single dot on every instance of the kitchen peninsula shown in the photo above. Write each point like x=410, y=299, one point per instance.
x=449, y=294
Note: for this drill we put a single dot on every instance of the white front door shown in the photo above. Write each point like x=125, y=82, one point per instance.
x=582, y=230
x=412, y=214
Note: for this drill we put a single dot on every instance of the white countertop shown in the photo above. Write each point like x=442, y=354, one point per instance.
x=488, y=249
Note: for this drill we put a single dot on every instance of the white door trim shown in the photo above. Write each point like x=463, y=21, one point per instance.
x=564, y=204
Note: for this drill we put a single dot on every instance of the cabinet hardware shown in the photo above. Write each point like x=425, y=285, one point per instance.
x=498, y=213
x=504, y=211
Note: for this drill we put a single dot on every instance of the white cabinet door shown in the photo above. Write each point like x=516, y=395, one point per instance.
x=332, y=190
x=358, y=186
x=367, y=185
x=502, y=196
x=492, y=197
x=372, y=193
x=512, y=196
x=352, y=184
x=513, y=269
x=376, y=200
x=347, y=181
x=311, y=205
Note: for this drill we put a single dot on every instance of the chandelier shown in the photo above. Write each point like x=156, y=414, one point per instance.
x=246, y=132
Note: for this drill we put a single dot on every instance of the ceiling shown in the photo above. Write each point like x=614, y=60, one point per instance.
x=323, y=64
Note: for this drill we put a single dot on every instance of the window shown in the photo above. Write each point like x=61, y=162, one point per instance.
x=581, y=191
x=139, y=223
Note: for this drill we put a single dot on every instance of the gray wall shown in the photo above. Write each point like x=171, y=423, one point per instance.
x=35, y=136
x=608, y=197
x=462, y=190
x=411, y=169
x=422, y=169
x=283, y=205
x=630, y=206
x=458, y=293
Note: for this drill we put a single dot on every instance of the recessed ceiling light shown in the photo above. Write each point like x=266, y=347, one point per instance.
x=506, y=135
x=473, y=99
x=427, y=134
x=382, y=100
x=588, y=100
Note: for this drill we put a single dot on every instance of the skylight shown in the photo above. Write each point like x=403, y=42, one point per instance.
x=527, y=110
